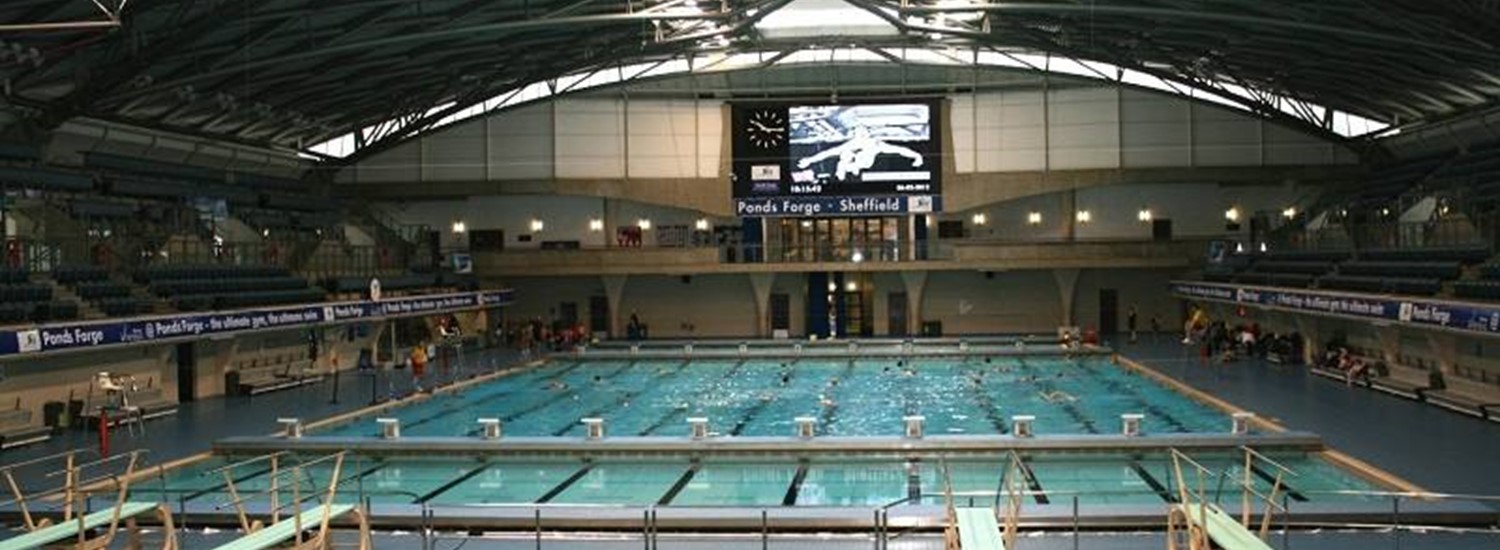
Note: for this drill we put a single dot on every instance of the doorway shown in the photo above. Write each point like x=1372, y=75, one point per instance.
x=1109, y=311
x=896, y=313
x=187, y=371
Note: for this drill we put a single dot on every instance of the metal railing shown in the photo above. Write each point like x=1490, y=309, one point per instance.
x=326, y=259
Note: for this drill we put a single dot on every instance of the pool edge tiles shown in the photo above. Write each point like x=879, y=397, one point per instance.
x=754, y=444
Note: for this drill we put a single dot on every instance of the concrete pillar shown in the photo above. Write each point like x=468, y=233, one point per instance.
x=1444, y=349
x=1312, y=338
x=614, y=293
x=1067, y=287
x=915, y=283
x=1389, y=339
x=760, y=285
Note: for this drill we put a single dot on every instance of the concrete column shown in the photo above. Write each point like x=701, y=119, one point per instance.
x=1444, y=349
x=760, y=285
x=614, y=292
x=915, y=283
x=1067, y=287
x=1312, y=338
x=1389, y=339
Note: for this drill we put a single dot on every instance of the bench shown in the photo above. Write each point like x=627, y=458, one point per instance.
x=978, y=529
x=69, y=529
x=284, y=530
x=1224, y=531
x=16, y=429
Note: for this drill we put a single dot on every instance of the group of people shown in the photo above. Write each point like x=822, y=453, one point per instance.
x=535, y=336
x=1219, y=341
x=1337, y=356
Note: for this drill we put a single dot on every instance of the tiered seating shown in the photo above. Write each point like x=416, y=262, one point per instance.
x=271, y=371
x=1291, y=269
x=1486, y=288
x=24, y=301
x=1461, y=254
x=206, y=287
x=93, y=285
x=1390, y=182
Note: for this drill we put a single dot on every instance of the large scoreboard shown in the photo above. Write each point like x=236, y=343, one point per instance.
x=860, y=159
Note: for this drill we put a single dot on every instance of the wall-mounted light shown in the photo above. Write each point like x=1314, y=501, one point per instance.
x=1289, y=213
x=1034, y=218
x=833, y=287
x=1239, y=248
x=858, y=256
x=1083, y=216
x=537, y=225
x=266, y=232
x=1233, y=214
x=596, y=224
x=701, y=224
x=1143, y=214
x=980, y=218
x=1263, y=247
x=1385, y=211
x=459, y=227
x=806, y=224
x=851, y=286
x=644, y=224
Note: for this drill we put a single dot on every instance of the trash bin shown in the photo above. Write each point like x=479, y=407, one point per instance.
x=54, y=414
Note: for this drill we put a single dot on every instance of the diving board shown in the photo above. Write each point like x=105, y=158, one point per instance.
x=978, y=529
x=284, y=530
x=1223, y=530
x=1199, y=523
x=69, y=529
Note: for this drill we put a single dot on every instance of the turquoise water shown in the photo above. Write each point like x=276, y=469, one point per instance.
x=1056, y=478
x=761, y=397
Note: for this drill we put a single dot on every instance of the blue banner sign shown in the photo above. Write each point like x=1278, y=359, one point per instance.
x=71, y=336
x=813, y=206
x=1417, y=312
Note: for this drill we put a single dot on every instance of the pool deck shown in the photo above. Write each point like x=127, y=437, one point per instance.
x=1434, y=448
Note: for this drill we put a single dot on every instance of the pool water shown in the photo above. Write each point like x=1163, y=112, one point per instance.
x=1051, y=478
x=849, y=397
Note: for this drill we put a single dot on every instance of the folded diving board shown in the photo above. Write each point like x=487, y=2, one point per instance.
x=1224, y=531
x=978, y=529
x=69, y=529
x=285, y=529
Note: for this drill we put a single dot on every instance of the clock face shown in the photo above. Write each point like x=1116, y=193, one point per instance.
x=766, y=129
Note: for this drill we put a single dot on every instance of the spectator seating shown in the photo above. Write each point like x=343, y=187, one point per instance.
x=1462, y=254
x=17, y=429
x=22, y=301
x=1434, y=270
x=74, y=274
x=123, y=306
x=1486, y=288
x=1393, y=285
x=208, y=287
x=271, y=371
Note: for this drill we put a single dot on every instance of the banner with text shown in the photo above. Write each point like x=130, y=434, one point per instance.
x=1467, y=317
x=69, y=336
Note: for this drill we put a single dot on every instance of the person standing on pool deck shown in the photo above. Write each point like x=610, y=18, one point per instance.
x=418, y=364
x=1130, y=323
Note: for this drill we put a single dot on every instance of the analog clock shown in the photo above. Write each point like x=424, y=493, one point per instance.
x=766, y=129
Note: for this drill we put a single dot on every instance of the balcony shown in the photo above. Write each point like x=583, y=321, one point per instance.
x=876, y=256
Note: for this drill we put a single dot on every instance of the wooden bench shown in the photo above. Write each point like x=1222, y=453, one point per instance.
x=66, y=530
x=16, y=429
x=284, y=530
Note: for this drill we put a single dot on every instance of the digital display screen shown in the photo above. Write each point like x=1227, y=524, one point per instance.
x=816, y=152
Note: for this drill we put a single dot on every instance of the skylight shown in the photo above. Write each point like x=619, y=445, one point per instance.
x=1226, y=94
x=821, y=18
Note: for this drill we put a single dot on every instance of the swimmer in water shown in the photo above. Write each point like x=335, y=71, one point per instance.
x=785, y=379
x=598, y=379
x=557, y=385
x=1055, y=396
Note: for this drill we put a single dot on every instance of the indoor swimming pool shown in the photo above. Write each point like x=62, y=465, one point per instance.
x=960, y=395
x=1051, y=478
